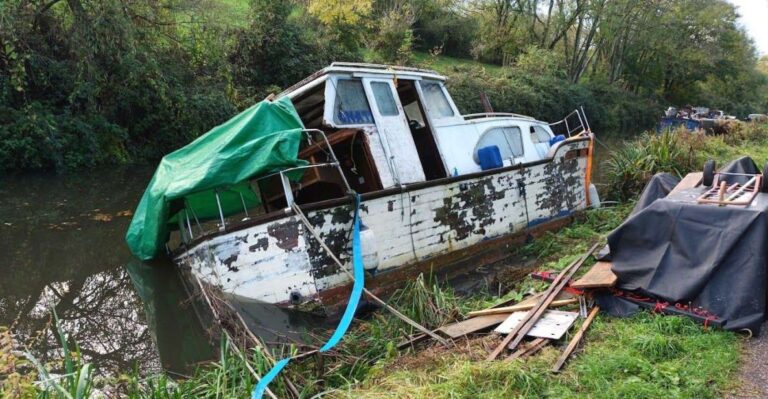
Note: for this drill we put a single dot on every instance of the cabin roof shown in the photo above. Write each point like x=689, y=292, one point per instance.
x=358, y=67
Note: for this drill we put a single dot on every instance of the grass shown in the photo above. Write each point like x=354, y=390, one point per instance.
x=445, y=64
x=646, y=356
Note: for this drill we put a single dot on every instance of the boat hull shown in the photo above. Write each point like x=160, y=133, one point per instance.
x=449, y=224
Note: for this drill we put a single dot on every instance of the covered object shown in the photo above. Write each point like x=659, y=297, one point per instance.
x=703, y=256
x=262, y=139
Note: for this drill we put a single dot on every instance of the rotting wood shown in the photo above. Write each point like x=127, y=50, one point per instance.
x=531, y=348
x=599, y=276
x=517, y=335
x=376, y=299
x=575, y=340
x=472, y=325
x=690, y=180
x=519, y=307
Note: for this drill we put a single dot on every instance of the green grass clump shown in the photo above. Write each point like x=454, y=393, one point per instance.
x=647, y=356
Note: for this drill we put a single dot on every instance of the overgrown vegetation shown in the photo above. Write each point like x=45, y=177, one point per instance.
x=634, y=162
x=86, y=83
x=646, y=356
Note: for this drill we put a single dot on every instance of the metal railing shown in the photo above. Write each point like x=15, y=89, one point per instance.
x=578, y=123
x=185, y=222
x=496, y=114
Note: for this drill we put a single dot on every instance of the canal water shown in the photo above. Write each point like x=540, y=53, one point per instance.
x=62, y=250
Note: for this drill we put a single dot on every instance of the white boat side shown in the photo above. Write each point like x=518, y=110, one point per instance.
x=279, y=262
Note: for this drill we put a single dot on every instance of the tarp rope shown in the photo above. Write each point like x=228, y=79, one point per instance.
x=349, y=312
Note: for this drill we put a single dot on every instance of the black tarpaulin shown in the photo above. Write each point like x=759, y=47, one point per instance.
x=713, y=257
x=658, y=187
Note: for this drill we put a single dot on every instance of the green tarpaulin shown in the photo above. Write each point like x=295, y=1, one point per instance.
x=262, y=139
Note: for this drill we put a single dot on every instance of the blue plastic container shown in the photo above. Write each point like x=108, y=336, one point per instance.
x=490, y=157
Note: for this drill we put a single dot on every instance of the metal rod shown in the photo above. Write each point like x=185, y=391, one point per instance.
x=189, y=225
x=221, y=211
x=194, y=215
x=245, y=209
x=741, y=189
x=333, y=156
x=589, y=128
x=287, y=190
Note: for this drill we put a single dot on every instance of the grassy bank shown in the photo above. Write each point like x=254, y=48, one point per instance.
x=646, y=356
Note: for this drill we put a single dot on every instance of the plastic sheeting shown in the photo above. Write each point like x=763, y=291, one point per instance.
x=262, y=139
x=708, y=256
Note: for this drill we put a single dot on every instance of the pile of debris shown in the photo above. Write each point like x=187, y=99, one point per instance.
x=533, y=323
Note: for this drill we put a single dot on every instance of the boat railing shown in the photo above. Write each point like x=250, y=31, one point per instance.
x=575, y=123
x=185, y=222
x=496, y=115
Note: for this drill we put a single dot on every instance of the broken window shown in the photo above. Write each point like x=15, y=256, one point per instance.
x=351, y=106
x=508, y=139
x=435, y=100
x=385, y=102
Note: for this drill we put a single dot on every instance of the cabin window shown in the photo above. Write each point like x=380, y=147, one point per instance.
x=508, y=139
x=435, y=100
x=351, y=106
x=539, y=135
x=385, y=102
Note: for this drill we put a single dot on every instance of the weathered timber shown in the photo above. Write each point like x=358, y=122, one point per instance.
x=370, y=295
x=472, y=325
x=506, y=310
x=599, y=276
x=529, y=349
x=690, y=180
x=517, y=335
x=575, y=340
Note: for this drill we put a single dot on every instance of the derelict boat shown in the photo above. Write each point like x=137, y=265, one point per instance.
x=439, y=190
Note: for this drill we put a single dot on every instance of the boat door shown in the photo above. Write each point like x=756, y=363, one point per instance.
x=393, y=129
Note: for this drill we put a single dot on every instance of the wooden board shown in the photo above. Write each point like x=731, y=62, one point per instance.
x=599, y=276
x=553, y=324
x=691, y=180
x=519, y=307
x=472, y=325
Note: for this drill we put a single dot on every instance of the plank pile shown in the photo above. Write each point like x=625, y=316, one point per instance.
x=532, y=324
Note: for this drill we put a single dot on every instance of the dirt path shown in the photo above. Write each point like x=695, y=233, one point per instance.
x=753, y=375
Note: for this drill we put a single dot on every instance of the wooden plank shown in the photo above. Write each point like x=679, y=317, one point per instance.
x=599, y=276
x=575, y=340
x=472, y=325
x=532, y=347
x=517, y=335
x=690, y=180
x=520, y=306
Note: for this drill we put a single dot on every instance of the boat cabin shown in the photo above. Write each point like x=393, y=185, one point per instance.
x=392, y=126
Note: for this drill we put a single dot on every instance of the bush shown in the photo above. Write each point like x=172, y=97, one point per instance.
x=630, y=167
x=549, y=97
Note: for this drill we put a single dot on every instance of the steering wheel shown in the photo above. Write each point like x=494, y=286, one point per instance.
x=414, y=124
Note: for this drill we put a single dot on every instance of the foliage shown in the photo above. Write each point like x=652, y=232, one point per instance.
x=76, y=382
x=393, y=42
x=16, y=382
x=549, y=96
x=629, y=167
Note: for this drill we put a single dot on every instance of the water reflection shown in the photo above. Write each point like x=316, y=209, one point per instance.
x=61, y=247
